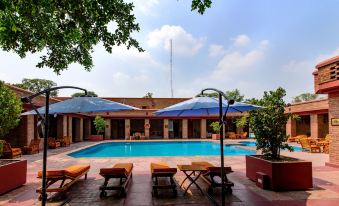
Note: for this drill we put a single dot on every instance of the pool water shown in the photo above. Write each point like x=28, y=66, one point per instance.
x=139, y=149
x=253, y=144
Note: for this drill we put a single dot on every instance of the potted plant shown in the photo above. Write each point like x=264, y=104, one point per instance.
x=216, y=130
x=271, y=170
x=99, y=124
x=13, y=172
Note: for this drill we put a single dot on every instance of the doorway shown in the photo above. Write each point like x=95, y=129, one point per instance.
x=118, y=129
x=156, y=130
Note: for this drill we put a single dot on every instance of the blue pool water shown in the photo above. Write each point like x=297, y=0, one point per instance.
x=138, y=149
x=252, y=144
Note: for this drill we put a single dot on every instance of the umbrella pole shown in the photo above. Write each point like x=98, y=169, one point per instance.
x=221, y=123
x=44, y=163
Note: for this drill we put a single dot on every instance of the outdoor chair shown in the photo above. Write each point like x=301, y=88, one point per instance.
x=325, y=143
x=242, y=135
x=53, y=143
x=163, y=170
x=67, y=177
x=121, y=171
x=231, y=135
x=307, y=146
x=296, y=138
x=9, y=152
x=33, y=147
x=212, y=172
x=64, y=141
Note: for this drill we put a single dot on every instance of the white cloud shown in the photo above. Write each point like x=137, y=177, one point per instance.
x=146, y=7
x=183, y=42
x=215, y=50
x=241, y=40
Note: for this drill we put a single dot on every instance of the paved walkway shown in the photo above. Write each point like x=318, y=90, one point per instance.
x=245, y=192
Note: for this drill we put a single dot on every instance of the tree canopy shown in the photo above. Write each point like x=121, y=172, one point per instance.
x=304, y=97
x=231, y=94
x=67, y=31
x=10, y=109
x=37, y=85
x=148, y=95
x=80, y=94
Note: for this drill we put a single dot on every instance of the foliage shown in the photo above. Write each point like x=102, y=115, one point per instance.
x=80, y=94
x=304, y=97
x=37, y=85
x=10, y=110
x=99, y=124
x=235, y=95
x=148, y=95
x=67, y=31
x=242, y=121
x=215, y=127
x=268, y=123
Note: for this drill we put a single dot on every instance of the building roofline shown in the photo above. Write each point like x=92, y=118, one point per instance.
x=27, y=91
x=327, y=61
x=307, y=102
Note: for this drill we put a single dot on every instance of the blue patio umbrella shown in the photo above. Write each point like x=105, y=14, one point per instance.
x=83, y=105
x=202, y=106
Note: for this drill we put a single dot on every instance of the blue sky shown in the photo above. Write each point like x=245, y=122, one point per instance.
x=254, y=46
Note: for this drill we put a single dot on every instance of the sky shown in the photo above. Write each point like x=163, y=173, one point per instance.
x=254, y=46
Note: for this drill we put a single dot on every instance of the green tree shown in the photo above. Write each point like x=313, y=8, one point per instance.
x=235, y=95
x=304, y=97
x=68, y=30
x=99, y=124
x=268, y=123
x=148, y=95
x=215, y=127
x=10, y=109
x=80, y=94
x=37, y=85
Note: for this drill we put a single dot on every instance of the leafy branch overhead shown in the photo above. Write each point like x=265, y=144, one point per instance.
x=66, y=31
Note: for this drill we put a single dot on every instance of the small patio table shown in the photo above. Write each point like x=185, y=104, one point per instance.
x=189, y=171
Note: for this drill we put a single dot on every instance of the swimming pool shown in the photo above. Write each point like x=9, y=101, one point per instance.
x=151, y=149
x=252, y=144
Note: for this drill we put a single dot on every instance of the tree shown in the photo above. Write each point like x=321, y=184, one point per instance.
x=304, y=97
x=37, y=85
x=80, y=94
x=10, y=109
x=268, y=123
x=148, y=95
x=235, y=95
x=99, y=124
x=68, y=30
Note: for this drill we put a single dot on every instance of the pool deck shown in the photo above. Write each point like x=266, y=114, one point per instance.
x=245, y=192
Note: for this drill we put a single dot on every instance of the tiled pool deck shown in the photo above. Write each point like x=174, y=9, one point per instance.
x=245, y=192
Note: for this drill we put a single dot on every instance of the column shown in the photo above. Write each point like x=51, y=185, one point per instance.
x=203, y=131
x=30, y=129
x=291, y=128
x=64, y=125
x=127, y=129
x=81, y=130
x=184, y=128
x=333, y=112
x=166, y=131
x=70, y=128
x=314, y=125
x=147, y=122
x=108, y=130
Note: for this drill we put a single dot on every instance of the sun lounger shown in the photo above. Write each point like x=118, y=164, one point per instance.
x=163, y=170
x=33, y=147
x=212, y=172
x=67, y=177
x=9, y=152
x=307, y=146
x=121, y=171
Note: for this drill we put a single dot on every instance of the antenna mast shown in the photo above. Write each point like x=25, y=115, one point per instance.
x=171, y=70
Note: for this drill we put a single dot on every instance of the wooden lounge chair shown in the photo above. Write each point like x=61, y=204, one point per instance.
x=64, y=141
x=52, y=143
x=9, y=152
x=163, y=170
x=231, y=135
x=242, y=135
x=307, y=146
x=33, y=147
x=122, y=171
x=67, y=177
x=212, y=172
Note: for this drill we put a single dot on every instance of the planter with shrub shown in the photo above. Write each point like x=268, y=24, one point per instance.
x=100, y=125
x=216, y=130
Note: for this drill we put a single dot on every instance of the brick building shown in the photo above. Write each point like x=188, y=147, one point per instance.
x=119, y=125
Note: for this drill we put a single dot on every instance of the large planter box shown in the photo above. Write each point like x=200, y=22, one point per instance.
x=96, y=137
x=288, y=175
x=13, y=173
x=215, y=136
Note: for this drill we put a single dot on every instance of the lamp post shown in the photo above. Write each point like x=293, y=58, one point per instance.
x=45, y=123
x=222, y=121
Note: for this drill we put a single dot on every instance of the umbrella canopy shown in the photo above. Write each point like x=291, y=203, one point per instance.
x=83, y=105
x=203, y=106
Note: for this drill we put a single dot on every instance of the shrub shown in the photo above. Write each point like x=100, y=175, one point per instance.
x=215, y=127
x=99, y=124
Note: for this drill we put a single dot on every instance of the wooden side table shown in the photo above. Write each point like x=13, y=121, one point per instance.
x=189, y=171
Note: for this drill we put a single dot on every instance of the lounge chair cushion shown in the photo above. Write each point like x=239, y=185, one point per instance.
x=162, y=167
x=76, y=170
x=122, y=169
x=52, y=173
